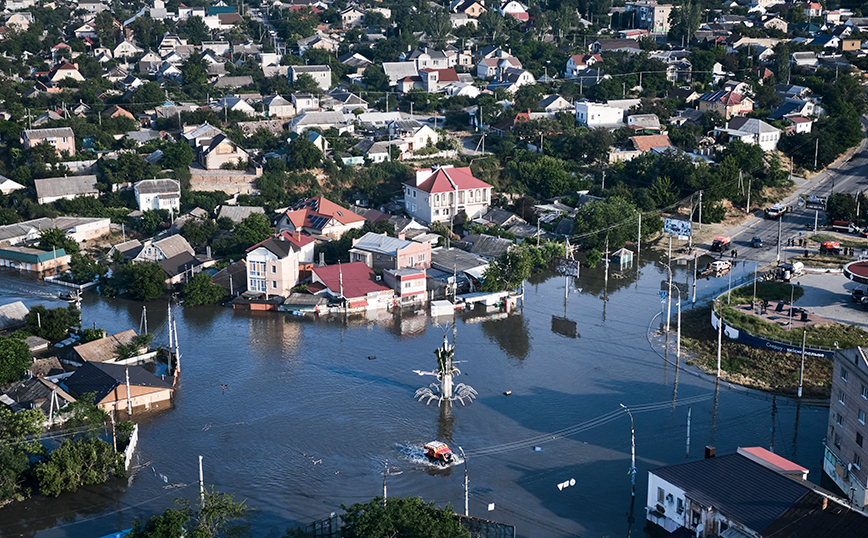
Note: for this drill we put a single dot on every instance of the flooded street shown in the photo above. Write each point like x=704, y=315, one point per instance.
x=299, y=416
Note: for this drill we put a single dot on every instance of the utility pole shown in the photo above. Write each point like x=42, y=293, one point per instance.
x=669, y=292
x=719, y=335
x=802, y=367
x=632, y=451
x=201, y=482
x=700, y=210
x=638, y=236
x=466, y=485
x=780, y=226
x=385, y=472
x=816, y=150
x=747, y=209
x=129, y=401
x=695, y=263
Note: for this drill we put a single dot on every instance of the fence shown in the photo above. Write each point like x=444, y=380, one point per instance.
x=79, y=287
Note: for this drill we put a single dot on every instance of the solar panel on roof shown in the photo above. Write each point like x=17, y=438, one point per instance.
x=318, y=222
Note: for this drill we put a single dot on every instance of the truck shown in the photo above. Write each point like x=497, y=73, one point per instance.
x=776, y=211
x=721, y=243
x=844, y=226
x=830, y=247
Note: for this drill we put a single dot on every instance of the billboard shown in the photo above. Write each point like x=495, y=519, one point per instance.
x=812, y=202
x=677, y=227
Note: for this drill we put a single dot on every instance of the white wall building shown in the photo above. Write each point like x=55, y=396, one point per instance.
x=158, y=194
x=438, y=194
x=594, y=115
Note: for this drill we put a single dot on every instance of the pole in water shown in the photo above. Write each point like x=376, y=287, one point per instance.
x=201, y=483
x=802, y=367
x=719, y=336
x=687, y=452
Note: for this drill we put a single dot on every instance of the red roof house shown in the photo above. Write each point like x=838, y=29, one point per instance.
x=440, y=193
x=319, y=216
x=354, y=282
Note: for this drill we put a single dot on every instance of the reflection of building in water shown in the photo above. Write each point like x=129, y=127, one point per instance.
x=275, y=333
x=409, y=323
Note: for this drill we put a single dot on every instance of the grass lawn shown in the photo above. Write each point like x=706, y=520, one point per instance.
x=855, y=242
x=825, y=261
x=756, y=368
x=770, y=291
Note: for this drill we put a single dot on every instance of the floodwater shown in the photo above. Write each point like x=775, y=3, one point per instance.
x=300, y=416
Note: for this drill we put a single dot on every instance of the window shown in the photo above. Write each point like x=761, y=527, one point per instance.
x=844, y=374
x=839, y=420
x=660, y=495
x=858, y=438
x=696, y=519
x=837, y=440
x=842, y=397
x=273, y=269
x=862, y=416
x=680, y=506
x=864, y=392
x=412, y=261
x=274, y=284
x=857, y=461
x=421, y=258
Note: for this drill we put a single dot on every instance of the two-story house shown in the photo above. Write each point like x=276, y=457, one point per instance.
x=380, y=251
x=591, y=115
x=438, y=194
x=728, y=104
x=319, y=216
x=158, y=194
x=62, y=138
x=579, y=62
x=410, y=285
x=275, y=265
x=650, y=15
x=321, y=74
x=221, y=151
x=471, y=8
x=352, y=17
x=278, y=107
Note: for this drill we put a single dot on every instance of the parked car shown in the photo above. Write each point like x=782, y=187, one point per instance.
x=757, y=242
x=858, y=294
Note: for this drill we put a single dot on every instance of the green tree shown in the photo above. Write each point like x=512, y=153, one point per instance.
x=375, y=78
x=508, y=271
x=52, y=324
x=303, y=154
x=55, y=238
x=305, y=83
x=149, y=93
x=196, y=31
x=105, y=28
x=177, y=156
x=78, y=462
x=144, y=281
x=400, y=518
x=85, y=269
x=14, y=359
x=253, y=229
x=218, y=515
x=841, y=206
x=152, y=219
x=89, y=335
x=685, y=20
x=195, y=70
x=201, y=290
x=19, y=440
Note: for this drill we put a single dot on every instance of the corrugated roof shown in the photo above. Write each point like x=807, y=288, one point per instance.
x=65, y=186
x=356, y=279
x=30, y=255
x=35, y=134
x=380, y=243
x=739, y=488
x=158, y=186
x=104, y=349
x=12, y=315
x=648, y=142
x=238, y=213
x=174, y=245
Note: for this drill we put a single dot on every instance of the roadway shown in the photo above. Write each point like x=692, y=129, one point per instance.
x=849, y=175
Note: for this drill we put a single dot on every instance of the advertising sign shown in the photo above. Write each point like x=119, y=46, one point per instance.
x=677, y=227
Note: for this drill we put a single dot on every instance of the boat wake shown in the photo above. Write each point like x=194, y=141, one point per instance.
x=416, y=455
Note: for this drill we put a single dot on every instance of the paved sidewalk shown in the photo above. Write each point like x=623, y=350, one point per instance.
x=828, y=295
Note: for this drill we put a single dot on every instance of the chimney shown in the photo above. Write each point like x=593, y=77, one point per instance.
x=710, y=452
x=401, y=235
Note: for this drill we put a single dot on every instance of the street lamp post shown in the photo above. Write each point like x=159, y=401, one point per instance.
x=466, y=494
x=792, y=292
x=632, y=450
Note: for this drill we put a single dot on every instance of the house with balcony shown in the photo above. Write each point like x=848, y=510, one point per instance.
x=438, y=194
x=650, y=15
x=276, y=265
x=379, y=251
x=845, y=460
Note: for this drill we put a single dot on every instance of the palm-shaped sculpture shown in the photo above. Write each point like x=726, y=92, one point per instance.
x=443, y=389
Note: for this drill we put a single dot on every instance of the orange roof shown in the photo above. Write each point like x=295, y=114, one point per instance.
x=450, y=179
x=774, y=459
x=356, y=279
x=318, y=211
x=646, y=143
x=444, y=75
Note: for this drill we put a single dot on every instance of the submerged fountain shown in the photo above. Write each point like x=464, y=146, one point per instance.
x=443, y=390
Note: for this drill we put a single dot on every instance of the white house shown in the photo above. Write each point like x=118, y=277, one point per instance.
x=515, y=9
x=751, y=131
x=593, y=115
x=579, y=62
x=438, y=194
x=158, y=194
x=322, y=74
